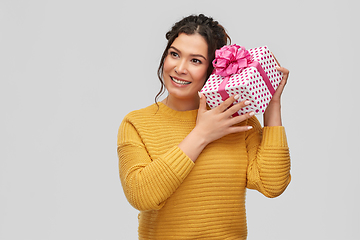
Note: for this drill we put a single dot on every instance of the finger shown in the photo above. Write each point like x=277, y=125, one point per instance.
x=241, y=118
x=283, y=70
x=227, y=103
x=233, y=109
x=283, y=82
x=285, y=73
x=279, y=68
x=202, y=102
x=237, y=129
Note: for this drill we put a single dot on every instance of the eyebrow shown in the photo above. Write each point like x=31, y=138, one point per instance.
x=193, y=55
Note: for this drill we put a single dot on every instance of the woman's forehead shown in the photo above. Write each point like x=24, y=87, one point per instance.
x=193, y=44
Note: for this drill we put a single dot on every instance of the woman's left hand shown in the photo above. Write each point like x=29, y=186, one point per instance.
x=272, y=115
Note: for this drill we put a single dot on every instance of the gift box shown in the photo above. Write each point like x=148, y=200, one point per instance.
x=249, y=73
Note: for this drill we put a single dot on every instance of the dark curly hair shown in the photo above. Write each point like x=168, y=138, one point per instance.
x=213, y=33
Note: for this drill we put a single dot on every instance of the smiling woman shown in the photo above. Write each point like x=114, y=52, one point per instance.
x=212, y=33
x=185, y=167
x=185, y=71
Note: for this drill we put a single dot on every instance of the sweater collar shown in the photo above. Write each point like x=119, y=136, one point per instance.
x=183, y=115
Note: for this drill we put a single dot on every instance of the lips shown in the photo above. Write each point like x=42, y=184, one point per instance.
x=178, y=81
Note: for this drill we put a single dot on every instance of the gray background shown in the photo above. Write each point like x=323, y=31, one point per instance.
x=71, y=70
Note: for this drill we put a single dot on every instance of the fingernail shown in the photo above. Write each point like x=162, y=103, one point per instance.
x=247, y=103
x=199, y=94
x=251, y=114
x=249, y=127
x=237, y=96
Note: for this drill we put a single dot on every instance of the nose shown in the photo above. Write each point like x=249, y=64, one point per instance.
x=181, y=67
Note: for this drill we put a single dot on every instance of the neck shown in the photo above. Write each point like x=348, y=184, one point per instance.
x=181, y=104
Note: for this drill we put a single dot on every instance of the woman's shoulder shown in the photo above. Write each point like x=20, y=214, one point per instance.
x=143, y=112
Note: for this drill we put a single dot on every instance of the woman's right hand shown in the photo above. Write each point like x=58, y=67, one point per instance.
x=214, y=124
x=219, y=122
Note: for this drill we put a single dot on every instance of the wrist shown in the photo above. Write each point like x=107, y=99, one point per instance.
x=193, y=144
x=272, y=115
x=199, y=137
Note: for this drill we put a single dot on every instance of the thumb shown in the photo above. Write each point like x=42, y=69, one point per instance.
x=202, y=103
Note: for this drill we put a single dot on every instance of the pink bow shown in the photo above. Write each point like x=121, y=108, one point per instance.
x=231, y=59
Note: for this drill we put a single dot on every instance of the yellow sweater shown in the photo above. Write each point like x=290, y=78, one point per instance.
x=180, y=199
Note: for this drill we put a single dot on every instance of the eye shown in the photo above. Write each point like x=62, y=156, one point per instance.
x=174, y=54
x=197, y=61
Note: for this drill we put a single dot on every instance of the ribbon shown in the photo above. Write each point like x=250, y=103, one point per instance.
x=232, y=59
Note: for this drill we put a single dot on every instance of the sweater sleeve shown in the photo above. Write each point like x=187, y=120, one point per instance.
x=269, y=159
x=147, y=182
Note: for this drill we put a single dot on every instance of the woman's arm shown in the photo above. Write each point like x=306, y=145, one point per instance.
x=269, y=157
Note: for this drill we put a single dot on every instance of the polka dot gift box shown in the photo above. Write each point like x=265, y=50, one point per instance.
x=249, y=73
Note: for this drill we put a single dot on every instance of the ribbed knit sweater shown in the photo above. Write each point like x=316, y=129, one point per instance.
x=180, y=199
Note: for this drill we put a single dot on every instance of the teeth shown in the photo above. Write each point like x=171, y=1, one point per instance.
x=180, y=82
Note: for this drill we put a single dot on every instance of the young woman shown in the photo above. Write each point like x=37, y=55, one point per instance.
x=186, y=167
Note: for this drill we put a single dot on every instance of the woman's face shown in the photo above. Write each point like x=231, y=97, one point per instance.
x=185, y=67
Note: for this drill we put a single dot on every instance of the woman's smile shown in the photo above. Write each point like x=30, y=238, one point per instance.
x=179, y=81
